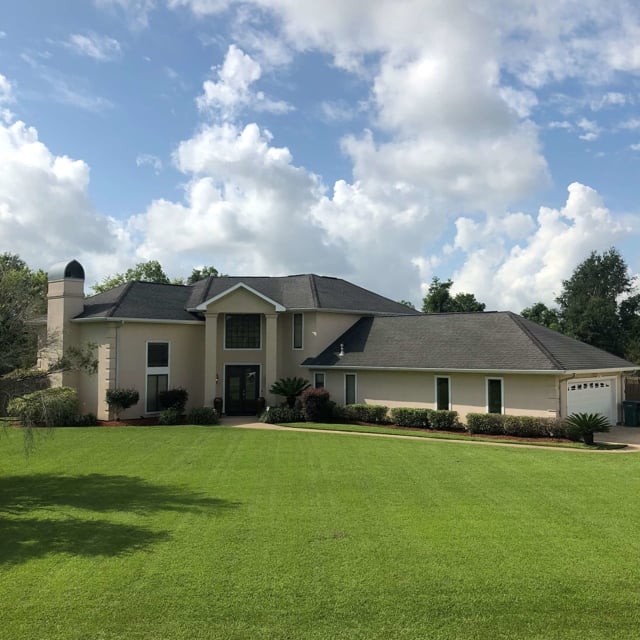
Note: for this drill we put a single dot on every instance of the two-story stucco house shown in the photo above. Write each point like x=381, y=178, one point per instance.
x=233, y=337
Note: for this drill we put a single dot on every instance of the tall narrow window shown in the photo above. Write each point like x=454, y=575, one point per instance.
x=242, y=331
x=157, y=373
x=318, y=380
x=350, y=388
x=443, y=393
x=495, y=403
x=298, y=326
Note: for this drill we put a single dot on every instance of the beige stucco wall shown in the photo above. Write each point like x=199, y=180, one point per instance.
x=534, y=395
x=122, y=361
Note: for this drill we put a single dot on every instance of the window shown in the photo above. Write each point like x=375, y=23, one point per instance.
x=349, y=388
x=495, y=400
x=298, y=324
x=157, y=373
x=443, y=393
x=318, y=380
x=242, y=331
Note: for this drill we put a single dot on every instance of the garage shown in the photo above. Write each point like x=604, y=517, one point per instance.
x=593, y=396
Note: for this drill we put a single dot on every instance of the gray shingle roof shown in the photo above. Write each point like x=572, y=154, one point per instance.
x=493, y=341
x=148, y=300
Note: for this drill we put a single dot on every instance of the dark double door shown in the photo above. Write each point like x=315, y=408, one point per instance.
x=242, y=388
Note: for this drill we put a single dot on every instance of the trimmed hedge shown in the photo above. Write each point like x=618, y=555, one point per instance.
x=121, y=399
x=276, y=415
x=56, y=407
x=170, y=416
x=518, y=426
x=410, y=417
x=371, y=413
x=316, y=405
x=203, y=415
x=19, y=382
x=444, y=420
x=174, y=399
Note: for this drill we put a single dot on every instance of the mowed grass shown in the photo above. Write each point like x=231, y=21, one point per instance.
x=187, y=532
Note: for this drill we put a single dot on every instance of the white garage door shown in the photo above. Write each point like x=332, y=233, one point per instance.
x=593, y=396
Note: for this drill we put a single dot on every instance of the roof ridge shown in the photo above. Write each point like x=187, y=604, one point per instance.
x=519, y=320
x=314, y=290
x=122, y=295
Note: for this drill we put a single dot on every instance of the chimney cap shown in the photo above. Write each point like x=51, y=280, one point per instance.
x=66, y=270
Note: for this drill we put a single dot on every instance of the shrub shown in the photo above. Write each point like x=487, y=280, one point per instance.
x=372, y=413
x=202, y=415
x=289, y=388
x=316, y=405
x=487, y=423
x=529, y=426
x=85, y=420
x=409, y=417
x=170, y=416
x=277, y=415
x=586, y=424
x=20, y=382
x=46, y=408
x=121, y=399
x=444, y=420
x=174, y=399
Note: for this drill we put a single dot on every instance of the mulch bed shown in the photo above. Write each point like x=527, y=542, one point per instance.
x=135, y=422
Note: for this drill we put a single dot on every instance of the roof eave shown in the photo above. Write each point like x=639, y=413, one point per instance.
x=136, y=320
x=342, y=367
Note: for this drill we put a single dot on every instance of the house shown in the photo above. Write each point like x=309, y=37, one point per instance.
x=232, y=337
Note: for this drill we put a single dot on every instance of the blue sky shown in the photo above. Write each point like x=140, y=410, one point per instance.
x=384, y=142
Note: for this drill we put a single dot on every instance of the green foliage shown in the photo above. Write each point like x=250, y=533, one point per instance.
x=444, y=420
x=77, y=359
x=170, y=416
x=54, y=407
x=371, y=413
x=316, y=405
x=407, y=303
x=202, y=273
x=589, y=305
x=174, y=399
x=586, y=424
x=202, y=415
x=486, y=423
x=121, y=399
x=541, y=314
x=289, y=388
x=439, y=299
x=410, y=417
x=23, y=297
x=279, y=415
x=150, y=271
x=20, y=382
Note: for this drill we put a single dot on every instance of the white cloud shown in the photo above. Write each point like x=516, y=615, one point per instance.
x=136, y=11
x=101, y=48
x=45, y=210
x=6, y=90
x=149, y=160
x=232, y=92
x=635, y=147
x=507, y=276
x=591, y=130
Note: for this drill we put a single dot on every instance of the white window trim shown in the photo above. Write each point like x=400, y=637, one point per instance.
x=319, y=373
x=293, y=332
x=155, y=371
x=486, y=393
x=435, y=391
x=355, y=387
x=224, y=343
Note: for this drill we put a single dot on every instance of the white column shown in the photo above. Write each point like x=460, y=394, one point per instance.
x=212, y=387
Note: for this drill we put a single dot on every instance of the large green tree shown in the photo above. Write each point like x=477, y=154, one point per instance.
x=150, y=271
x=440, y=300
x=202, y=273
x=592, y=304
x=540, y=313
x=22, y=298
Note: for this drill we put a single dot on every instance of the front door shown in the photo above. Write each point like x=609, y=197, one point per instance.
x=242, y=387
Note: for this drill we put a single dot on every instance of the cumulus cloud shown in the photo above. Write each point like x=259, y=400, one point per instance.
x=45, y=210
x=100, y=48
x=512, y=276
x=231, y=92
x=149, y=160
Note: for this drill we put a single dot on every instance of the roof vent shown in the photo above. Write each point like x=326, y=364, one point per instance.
x=341, y=350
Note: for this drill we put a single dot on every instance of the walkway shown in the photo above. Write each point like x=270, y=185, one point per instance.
x=629, y=436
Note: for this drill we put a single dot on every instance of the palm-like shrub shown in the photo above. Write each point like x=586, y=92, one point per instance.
x=584, y=425
x=289, y=388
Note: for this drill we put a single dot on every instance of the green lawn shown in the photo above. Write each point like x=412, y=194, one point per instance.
x=209, y=532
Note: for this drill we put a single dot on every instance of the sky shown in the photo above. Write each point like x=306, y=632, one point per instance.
x=494, y=142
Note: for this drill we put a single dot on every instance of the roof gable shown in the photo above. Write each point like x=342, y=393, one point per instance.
x=239, y=286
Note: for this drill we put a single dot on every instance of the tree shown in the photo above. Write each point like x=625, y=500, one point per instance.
x=439, y=299
x=202, y=273
x=150, y=271
x=540, y=313
x=589, y=303
x=407, y=303
x=22, y=298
